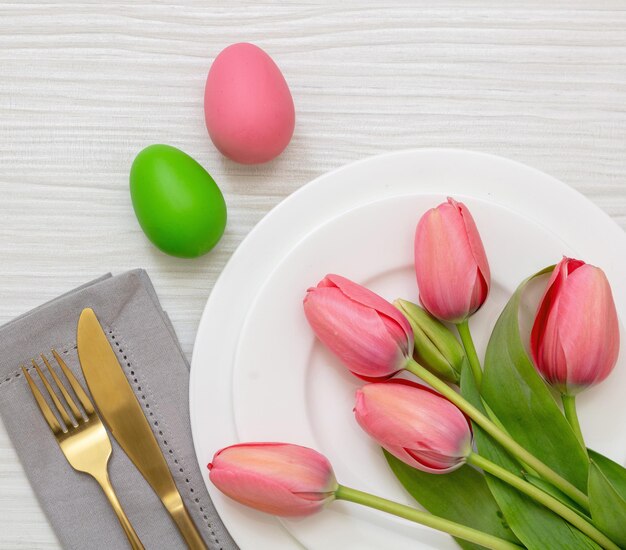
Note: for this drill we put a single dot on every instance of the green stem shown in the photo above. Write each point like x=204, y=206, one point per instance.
x=499, y=435
x=543, y=498
x=424, y=518
x=470, y=351
x=569, y=407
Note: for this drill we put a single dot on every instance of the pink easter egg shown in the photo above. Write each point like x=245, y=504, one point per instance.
x=248, y=107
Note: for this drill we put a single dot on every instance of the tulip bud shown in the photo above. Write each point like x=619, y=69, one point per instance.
x=575, y=336
x=370, y=336
x=415, y=424
x=276, y=478
x=436, y=348
x=450, y=263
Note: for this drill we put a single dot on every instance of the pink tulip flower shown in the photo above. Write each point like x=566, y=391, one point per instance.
x=575, y=337
x=370, y=336
x=450, y=262
x=277, y=478
x=415, y=424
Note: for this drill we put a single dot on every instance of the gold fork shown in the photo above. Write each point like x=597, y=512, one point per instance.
x=83, y=440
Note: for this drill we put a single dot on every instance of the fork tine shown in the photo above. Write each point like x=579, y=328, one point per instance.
x=60, y=407
x=68, y=398
x=46, y=411
x=78, y=390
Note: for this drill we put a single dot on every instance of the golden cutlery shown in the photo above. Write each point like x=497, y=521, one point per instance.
x=82, y=439
x=126, y=421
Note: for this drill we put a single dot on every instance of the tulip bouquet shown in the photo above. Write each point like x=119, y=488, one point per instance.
x=492, y=450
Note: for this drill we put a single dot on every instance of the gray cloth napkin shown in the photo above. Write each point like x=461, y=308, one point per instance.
x=147, y=347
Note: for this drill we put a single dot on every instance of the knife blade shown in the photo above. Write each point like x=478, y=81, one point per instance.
x=122, y=413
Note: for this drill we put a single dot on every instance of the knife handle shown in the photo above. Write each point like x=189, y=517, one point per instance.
x=105, y=483
x=183, y=521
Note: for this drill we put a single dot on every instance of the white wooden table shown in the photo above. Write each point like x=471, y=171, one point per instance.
x=85, y=85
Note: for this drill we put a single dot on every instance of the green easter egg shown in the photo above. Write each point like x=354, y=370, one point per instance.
x=178, y=204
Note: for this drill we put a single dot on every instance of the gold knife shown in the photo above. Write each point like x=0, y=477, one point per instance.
x=122, y=413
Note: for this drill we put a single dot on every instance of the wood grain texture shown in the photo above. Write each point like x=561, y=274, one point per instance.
x=85, y=85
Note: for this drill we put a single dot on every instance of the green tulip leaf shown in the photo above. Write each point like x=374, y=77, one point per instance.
x=522, y=402
x=608, y=506
x=461, y=496
x=614, y=473
x=537, y=527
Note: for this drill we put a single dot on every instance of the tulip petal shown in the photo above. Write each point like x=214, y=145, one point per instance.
x=450, y=263
x=277, y=478
x=575, y=336
x=588, y=328
x=478, y=251
x=354, y=332
x=546, y=304
x=300, y=469
x=415, y=424
x=370, y=299
x=262, y=493
x=433, y=461
x=398, y=333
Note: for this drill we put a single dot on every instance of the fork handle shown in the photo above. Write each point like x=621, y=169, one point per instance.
x=105, y=483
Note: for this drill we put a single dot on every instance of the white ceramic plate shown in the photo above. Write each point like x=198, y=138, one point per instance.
x=257, y=374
